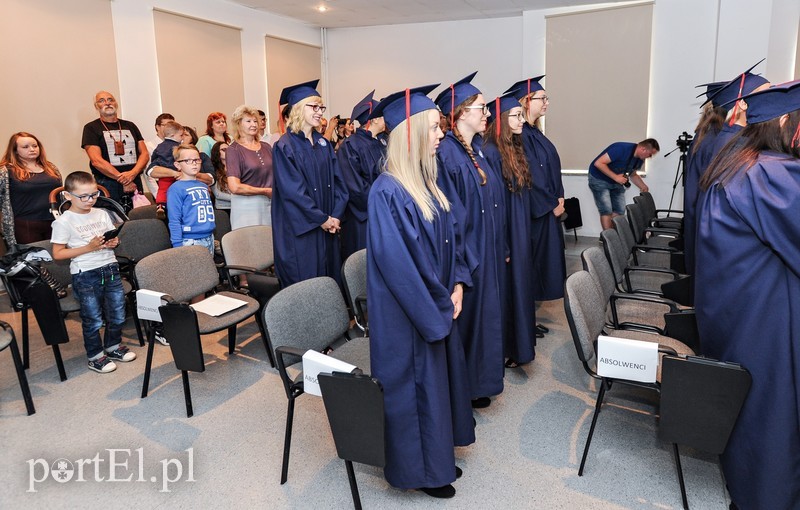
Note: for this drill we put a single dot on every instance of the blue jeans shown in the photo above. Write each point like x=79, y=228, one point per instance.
x=608, y=196
x=208, y=242
x=98, y=291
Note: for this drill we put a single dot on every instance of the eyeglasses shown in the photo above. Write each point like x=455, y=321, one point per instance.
x=544, y=99
x=190, y=161
x=482, y=107
x=518, y=116
x=86, y=198
x=317, y=108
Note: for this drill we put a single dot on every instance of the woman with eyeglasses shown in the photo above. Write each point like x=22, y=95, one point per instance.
x=309, y=196
x=249, y=165
x=26, y=180
x=477, y=197
x=503, y=149
x=548, y=262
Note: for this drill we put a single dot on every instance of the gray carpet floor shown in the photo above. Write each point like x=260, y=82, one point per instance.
x=529, y=441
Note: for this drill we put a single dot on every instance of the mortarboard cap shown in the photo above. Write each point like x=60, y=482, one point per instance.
x=456, y=94
x=501, y=104
x=396, y=108
x=742, y=85
x=525, y=87
x=296, y=93
x=773, y=102
x=711, y=89
x=363, y=108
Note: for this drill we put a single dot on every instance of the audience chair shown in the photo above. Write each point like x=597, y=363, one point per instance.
x=645, y=234
x=633, y=279
x=7, y=339
x=585, y=311
x=700, y=403
x=147, y=212
x=354, y=404
x=659, y=217
x=643, y=254
x=354, y=274
x=248, y=250
x=183, y=273
x=222, y=223
x=309, y=315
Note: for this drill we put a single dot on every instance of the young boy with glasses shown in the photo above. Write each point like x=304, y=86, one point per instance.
x=78, y=235
x=189, y=207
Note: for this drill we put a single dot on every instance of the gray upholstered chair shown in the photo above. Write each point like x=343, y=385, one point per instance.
x=643, y=254
x=183, y=273
x=309, y=315
x=147, y=212
x=248, y=251
x=586, y=313
x=669, y=218
x=640, y=279
x=7, y=339
x=644, y=233
x=354, y=274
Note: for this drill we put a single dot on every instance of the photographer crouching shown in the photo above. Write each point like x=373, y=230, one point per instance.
x=612, y=172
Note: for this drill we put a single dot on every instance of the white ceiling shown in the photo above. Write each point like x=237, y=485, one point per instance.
x=357, y=13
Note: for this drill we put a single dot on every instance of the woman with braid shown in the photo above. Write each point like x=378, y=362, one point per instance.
x=477, y=197
x=503, y=149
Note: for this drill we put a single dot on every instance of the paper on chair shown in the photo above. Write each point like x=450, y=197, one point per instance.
x=217, y=305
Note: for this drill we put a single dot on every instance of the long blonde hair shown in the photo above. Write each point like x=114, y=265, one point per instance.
x=414, y=167
x=296, y=118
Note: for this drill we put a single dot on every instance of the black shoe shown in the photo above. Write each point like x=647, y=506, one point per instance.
x=542, y=329
x=444, y=492
x=510, y=363
x=459, y=472
x=539, y=334
x=482, y=402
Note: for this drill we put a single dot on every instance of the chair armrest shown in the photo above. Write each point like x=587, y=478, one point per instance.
x=667, y=350
x=245, y=269
x=646, y=269
x=280, y=353
x=670, y=211
x=667, y=232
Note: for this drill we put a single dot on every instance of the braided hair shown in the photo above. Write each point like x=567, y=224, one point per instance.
x=457, y=112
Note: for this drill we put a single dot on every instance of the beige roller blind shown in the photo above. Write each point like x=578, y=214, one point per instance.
x=56, y=55
x=598, y=76
x=199, y=68
x=289, y=63
x=797, y=57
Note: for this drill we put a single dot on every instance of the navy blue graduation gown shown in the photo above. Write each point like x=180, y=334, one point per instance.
x=747, y=304
x=359, y=158
x=307, y=188
x=697, y=161
x=519, y=303
x=548, y=252
x=411, y=274
x=479, y=209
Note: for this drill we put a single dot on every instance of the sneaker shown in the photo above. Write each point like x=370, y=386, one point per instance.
x=121, y=353
x=102, y=365
x=161, y=339
x=160, y=214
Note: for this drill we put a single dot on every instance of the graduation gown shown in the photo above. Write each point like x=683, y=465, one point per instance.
x=698, y=159
x=479, y=209
x=359, y=158
x=750, y=230
x=548, y=261
x=519, y=303
x=411, y=274
x=307, y=188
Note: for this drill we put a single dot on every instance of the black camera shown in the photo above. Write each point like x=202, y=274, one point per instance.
x=683, y=142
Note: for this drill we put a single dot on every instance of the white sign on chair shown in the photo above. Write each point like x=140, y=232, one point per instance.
x=621, y=358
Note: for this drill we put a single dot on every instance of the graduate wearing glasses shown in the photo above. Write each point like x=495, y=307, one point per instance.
x=476, y=193
x=309, y=195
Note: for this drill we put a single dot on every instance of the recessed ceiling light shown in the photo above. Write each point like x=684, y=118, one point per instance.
x=322, y=8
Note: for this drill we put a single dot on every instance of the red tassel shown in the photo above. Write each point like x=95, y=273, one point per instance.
x=452, y=106
x=796, y=137
x=497, y=120
x=408, y=118
x=736, y=105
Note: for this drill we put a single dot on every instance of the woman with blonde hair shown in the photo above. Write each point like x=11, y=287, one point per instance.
x=26, y=180
x=250, y=172
x=414, y=270
x=309, y=196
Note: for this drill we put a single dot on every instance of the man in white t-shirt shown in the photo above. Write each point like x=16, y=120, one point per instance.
x=78, y=234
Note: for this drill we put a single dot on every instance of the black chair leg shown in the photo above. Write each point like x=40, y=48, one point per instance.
x=23, y=380
x=151, y=335
x=351, y=475
x=265, y=339
x=59, y=363
x=187, y=393
x=287, y=441
x=138, y=325
x=26, y=359
x=680, y=476
x=231, y=339
x=600, y=396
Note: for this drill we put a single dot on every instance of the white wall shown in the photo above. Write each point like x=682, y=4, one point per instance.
x=392, y=57
x=688, y=49
x=134, y=32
